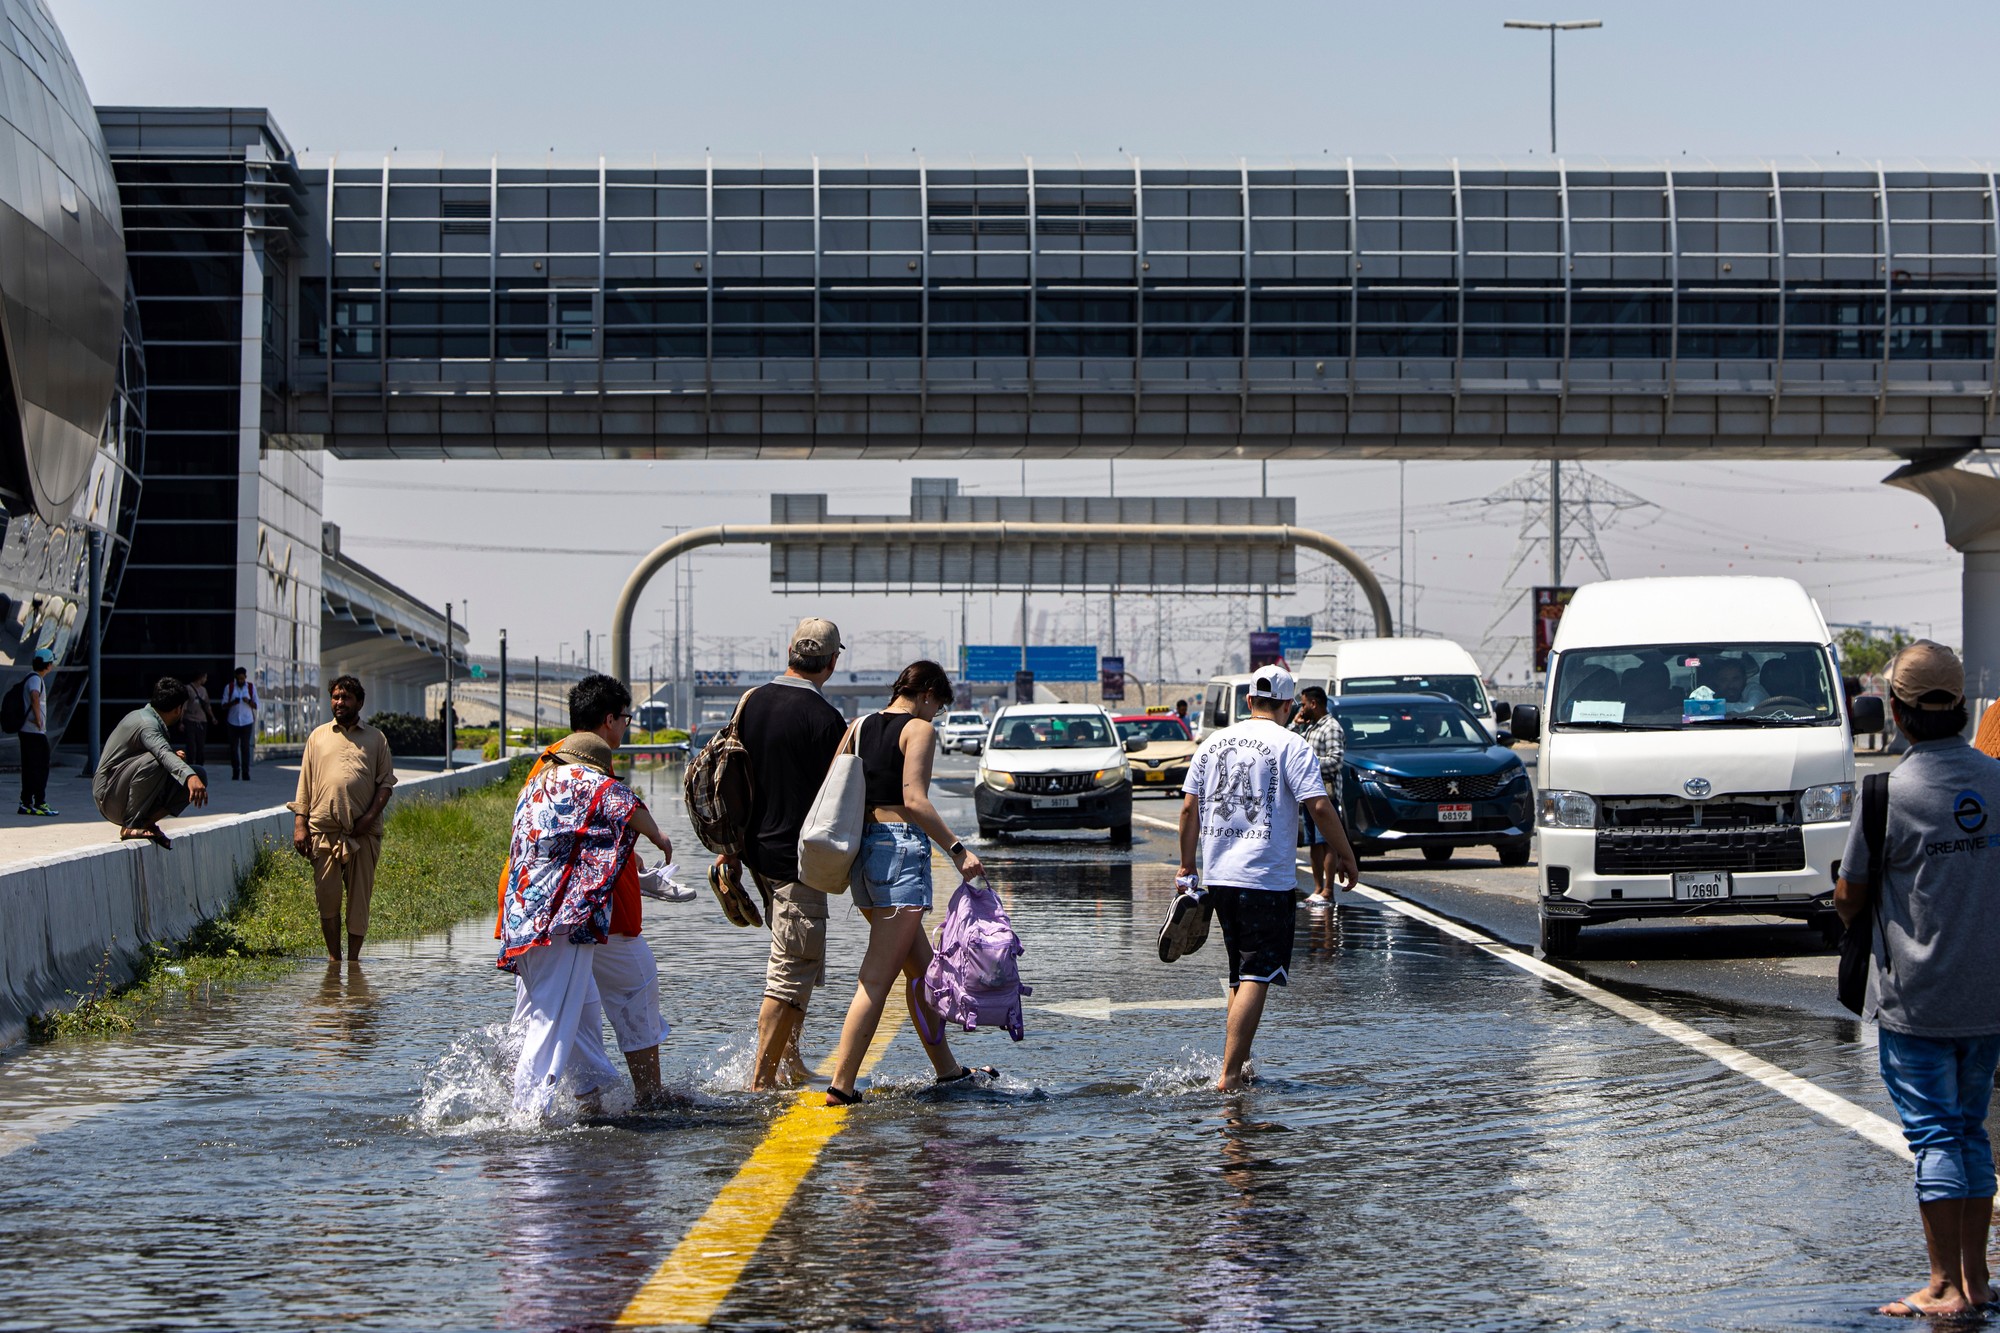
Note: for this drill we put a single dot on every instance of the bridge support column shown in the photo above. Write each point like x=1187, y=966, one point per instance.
x=1969, y=504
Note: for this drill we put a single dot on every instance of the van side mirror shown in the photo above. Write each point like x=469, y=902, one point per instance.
x=1865, y=711
x=1502, y=710
x=1526, y=723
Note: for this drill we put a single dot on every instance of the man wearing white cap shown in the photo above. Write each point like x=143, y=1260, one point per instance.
x=1239, y=820
x=790, y=732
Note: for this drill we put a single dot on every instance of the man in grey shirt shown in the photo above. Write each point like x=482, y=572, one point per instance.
x=141, y=778
x=1933, y=989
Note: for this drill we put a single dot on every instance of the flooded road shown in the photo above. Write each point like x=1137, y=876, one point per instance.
x=1436, y=1141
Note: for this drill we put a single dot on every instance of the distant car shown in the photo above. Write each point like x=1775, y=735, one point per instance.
x=1421, y=771
x=961, y=732
x=1054, y=766
x=1162, y=765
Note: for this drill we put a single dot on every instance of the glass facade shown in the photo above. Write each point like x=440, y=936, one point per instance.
x=226, y=549
x=1342, y=276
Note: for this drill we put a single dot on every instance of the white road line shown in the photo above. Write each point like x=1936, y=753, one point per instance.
x=1878, y=1130
x=1103, y=1008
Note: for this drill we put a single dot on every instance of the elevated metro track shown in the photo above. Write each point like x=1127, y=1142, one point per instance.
x=1443, y=308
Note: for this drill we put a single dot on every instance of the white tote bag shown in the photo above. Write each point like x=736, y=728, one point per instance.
x=830, y=838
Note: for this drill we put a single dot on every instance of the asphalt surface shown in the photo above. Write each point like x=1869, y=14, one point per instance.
x=1437, y=1139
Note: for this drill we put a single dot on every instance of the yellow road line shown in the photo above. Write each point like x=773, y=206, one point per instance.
x=694, y=1281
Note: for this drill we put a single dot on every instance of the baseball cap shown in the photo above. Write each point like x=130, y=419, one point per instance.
x=816, y=638
x=1274, y=682
x=1926, y=668
x=43, y=657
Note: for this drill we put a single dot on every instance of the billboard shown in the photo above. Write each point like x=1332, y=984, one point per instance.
x=1549, y=606
x=1111, y=679
x=1024, y=687
x=1264, y=648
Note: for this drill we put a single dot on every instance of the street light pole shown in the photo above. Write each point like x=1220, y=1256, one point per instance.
x=1552, y=28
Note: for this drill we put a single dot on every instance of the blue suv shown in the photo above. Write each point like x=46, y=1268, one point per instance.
x=1420, y=771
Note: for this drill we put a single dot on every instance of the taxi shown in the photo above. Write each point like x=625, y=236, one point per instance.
x=1162, y=765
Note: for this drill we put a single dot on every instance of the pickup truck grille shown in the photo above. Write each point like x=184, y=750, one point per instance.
x=1054, y=784
x=1659, y=851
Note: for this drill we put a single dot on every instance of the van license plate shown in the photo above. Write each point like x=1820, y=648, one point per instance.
x=1700, y=885
x=1454, y=814
x=1055, y=803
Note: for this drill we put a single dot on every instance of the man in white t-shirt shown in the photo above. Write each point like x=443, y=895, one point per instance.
x=1240, y=813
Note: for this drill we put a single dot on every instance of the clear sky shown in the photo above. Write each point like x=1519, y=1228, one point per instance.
x=1161, y=79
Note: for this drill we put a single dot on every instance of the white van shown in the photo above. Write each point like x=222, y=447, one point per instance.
x=1399, y=666
x=1698, y=757
x=1222, y=703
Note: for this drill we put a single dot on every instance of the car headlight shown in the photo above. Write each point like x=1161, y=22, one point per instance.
x=1568, y=809
x=1826, y=803
x=997, y=780
x=1113, y=777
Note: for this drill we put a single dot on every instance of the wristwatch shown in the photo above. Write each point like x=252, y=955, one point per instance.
x=956, y=850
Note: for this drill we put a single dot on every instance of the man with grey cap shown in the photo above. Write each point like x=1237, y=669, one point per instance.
x=790, y=732
x=1933, y=989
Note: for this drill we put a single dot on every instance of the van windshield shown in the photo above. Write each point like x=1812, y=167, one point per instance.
x=1459, y=689
x=1658, y=687
x=1050, y=731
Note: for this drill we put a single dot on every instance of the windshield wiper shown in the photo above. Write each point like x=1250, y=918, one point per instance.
x=1598, y=724
x=1770, y=720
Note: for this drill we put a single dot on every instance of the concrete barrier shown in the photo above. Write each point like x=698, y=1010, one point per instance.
x=64, y=917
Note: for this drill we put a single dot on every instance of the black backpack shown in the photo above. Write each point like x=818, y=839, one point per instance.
x=718, y=789
x=14, y=707
x=1857, y=942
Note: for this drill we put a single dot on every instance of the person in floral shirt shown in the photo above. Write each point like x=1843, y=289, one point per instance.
x=574, y=827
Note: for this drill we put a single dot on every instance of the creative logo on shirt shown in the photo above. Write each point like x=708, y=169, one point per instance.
x=1968, y=811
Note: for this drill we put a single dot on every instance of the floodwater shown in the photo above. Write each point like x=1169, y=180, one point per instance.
x=1436, y=1141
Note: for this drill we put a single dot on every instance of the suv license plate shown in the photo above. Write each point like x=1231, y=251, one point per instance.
x=1454, y=814
x=1700, y=885
x=1055, y=803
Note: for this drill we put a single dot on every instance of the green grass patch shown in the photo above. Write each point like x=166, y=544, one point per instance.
x=440, y=864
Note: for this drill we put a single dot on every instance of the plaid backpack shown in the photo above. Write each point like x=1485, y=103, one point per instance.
x=718, y=788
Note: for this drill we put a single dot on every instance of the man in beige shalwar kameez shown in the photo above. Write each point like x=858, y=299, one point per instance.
x=344, y=782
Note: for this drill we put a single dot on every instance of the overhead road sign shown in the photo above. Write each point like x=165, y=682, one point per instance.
x=1009, y=542
x=985, y=662
x=1294, y=640
x=1065, y=663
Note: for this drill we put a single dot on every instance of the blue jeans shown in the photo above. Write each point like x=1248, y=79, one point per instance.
x=894, y=868
x=1942, y=1087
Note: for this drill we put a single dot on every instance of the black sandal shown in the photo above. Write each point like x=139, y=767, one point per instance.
x=835, y=1097
x=965, y=1072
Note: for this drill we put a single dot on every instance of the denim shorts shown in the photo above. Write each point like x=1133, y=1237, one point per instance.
x=1942, y=1088
x=894, y=868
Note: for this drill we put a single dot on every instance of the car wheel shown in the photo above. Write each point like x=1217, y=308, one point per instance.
x=1513, y=855
x=989, y=831
x=1121, y=835
x=1437, y=856
x=1559, y=937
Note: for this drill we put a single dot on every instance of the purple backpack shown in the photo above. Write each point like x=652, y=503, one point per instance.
x=972, y=979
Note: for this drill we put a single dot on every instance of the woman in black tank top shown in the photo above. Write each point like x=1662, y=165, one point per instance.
x=892, y=875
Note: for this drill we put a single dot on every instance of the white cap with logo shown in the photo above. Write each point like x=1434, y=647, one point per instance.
x=1274, y=682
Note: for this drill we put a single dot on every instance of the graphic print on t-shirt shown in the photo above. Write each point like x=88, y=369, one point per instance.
x=1247, y=782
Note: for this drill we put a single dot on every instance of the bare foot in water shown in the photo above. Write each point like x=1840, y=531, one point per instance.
x=1932, y=1300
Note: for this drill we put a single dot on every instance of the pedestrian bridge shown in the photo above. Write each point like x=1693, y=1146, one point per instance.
x=1329, y=306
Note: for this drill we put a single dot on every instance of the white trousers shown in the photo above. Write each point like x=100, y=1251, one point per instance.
x=562, y=1045
x=628, y=982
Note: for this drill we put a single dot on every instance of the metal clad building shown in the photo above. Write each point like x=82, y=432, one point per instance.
x=72, y=374
x=1450, y=308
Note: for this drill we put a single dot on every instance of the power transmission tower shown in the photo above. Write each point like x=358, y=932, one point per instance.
x=1553, y=535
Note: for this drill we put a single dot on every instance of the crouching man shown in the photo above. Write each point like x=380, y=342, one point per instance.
x=574, y=829
x=141, y=779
